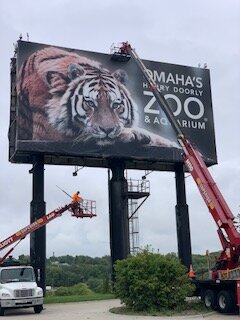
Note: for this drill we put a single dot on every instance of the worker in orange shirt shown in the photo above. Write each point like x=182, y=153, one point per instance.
x=76, y=197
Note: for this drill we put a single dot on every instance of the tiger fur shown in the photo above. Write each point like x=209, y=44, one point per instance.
x=67, y=97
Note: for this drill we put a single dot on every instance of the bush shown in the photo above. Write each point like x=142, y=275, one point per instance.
x=150, y=281
x=80, y=289
x=62, y=291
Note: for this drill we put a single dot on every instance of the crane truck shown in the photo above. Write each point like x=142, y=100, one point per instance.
x=222, y=289
x=18, y=287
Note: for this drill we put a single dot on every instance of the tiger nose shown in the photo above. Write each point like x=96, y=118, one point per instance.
x=107, y=131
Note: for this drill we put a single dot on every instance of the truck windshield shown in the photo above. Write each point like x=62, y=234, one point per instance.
x=21, y=274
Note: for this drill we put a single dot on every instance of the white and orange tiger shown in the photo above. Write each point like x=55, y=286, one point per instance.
x=66, y=97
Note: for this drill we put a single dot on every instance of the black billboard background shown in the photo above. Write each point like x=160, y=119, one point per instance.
x=187, y=90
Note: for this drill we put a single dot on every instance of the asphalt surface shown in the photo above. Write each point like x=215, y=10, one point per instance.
x=97, y=310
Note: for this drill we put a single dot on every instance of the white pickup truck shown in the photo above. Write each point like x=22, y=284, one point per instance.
x=18, y=289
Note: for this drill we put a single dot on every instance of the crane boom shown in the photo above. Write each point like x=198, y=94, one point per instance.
x=209, y=191
x=45, y=219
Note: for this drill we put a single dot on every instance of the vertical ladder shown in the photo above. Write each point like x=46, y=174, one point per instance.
x=137, y=189
x=133, y=226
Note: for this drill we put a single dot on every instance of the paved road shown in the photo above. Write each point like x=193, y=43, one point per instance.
x=97, y=310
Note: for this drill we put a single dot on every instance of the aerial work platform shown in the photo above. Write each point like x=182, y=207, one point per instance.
x=120, y=52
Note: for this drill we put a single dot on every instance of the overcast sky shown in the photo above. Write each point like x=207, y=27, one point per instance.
x=180, y=32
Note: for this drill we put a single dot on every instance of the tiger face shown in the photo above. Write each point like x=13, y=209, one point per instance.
x=94, y=106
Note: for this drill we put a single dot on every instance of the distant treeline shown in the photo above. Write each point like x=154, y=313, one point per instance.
x=66, y=271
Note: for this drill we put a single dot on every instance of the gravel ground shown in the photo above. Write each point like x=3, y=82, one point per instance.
x=97, y=310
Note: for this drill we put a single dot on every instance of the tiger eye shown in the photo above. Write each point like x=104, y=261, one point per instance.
x=88, y=106
x=121, y=108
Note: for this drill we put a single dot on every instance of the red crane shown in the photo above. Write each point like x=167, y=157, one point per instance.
x=222, y=289
x=87, y=209
x=199, y=171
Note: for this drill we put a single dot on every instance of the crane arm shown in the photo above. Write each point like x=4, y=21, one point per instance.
x=196, y=166
x=45, y=219
x=22, y=233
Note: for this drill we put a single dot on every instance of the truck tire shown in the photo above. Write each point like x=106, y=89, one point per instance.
x=2, y=311
x=209, y=299
x=38, y=309
x=225, y=302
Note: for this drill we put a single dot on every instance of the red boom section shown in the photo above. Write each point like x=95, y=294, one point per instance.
x=210, y=192
x=45, y=219
x=33, y=226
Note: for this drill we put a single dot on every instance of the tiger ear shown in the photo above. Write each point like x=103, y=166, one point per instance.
x=121, y=76
x=56, y=79
x=74, y=71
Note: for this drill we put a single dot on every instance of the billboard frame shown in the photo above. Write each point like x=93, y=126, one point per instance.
x=23, y=155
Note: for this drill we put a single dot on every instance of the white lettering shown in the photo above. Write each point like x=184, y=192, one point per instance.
x=170, y=78
x=187, y=111
x=6, y=242
x=188, y=91
x=177, y=100
x=147, y=108
x=199, y=82
x=159, y=77
x=180, y=79
x=192, y=124
x=189, y=82
x=188, y=104
x=161, y=121
x=50, y=216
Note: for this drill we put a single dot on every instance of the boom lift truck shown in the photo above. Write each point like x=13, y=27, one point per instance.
x=222, y=290
x=18, y=287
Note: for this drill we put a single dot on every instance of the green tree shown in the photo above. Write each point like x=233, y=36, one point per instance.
x=150, y=281
x=67, y=271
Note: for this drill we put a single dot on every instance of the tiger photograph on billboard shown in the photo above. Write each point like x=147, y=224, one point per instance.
x=72, y=98
x=76, y=102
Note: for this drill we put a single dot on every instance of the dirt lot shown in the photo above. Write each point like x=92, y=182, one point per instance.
x=96, y=310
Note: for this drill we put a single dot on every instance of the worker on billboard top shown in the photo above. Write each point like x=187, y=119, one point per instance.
x=76, y=197
x=124, y=48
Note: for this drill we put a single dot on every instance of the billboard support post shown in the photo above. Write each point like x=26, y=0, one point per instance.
x=38, y=208
x=118, y=215
x=182, y=219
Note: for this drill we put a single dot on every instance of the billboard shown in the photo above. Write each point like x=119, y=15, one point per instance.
x=81, y=107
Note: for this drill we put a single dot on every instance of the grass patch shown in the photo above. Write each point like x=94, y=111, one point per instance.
x=78, y=298
x=189, y=308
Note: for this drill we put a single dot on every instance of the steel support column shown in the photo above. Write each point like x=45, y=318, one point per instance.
x=38, y=209
x=182, y=219
x=118, y=213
